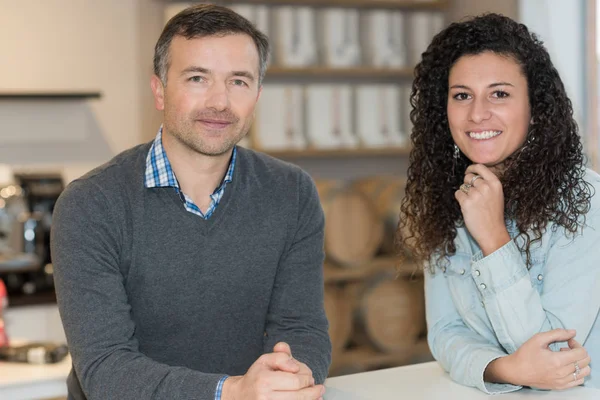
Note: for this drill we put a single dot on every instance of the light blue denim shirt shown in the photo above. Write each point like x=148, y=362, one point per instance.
x=482, y=308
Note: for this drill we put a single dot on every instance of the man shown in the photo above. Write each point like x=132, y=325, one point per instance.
x=189, y=268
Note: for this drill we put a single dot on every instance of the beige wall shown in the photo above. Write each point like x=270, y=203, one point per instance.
x=150, y=22
x=107, y=45
x=459, y=9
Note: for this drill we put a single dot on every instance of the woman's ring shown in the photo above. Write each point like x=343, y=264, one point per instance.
x=474, y=179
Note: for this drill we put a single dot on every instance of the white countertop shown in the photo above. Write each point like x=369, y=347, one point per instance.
x=414, y=382
x=428, y=382
x=20, y=381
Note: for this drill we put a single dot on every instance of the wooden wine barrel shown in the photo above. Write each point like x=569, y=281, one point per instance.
x=386, y=194
x=339, y=313
x=390, y=314
x=346, y=368
x=353, y=231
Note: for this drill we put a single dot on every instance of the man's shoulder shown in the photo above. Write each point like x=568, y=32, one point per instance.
x=109, y=180
x=265, y=167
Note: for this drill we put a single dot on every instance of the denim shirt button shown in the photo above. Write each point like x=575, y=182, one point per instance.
x=462, y=271
x=444, y=269
x=482, y=286
x=477, y=273
x=540, y=277
x=482, y=304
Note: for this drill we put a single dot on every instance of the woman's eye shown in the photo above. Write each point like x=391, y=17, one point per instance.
x=461, y=96
x=500, y=94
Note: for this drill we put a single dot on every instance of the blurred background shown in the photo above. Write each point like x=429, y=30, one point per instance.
x=74, y=92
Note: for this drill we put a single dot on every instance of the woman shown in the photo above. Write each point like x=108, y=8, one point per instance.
x=501, y=209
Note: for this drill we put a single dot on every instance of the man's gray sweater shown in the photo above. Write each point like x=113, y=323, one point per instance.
x=158, y=303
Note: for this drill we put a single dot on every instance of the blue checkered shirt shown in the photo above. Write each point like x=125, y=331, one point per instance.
x=220, y=388
x=160, y=174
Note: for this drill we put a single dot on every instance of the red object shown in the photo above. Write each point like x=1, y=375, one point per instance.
x=3, y=305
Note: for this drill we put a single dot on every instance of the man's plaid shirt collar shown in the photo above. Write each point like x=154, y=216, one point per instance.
x=159, y=173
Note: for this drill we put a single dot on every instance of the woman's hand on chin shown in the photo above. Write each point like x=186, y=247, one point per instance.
x=481, y=202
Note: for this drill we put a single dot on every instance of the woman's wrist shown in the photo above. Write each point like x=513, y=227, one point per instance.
x=494, y=242
x=501, y=370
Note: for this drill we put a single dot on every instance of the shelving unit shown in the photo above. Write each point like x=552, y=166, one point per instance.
x=340, y=73
x=48, y=95
x=354, y=348
x=363, y=77
x=386, y=4
x=341, y=153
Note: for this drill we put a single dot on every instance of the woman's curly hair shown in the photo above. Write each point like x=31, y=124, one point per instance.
x=542, y=182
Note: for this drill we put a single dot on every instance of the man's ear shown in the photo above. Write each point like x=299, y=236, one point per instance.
x=158, y=90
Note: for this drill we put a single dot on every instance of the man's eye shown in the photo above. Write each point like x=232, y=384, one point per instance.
x=239, y=82
x=196, y=79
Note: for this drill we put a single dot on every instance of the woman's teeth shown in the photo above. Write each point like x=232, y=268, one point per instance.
x=484, y=135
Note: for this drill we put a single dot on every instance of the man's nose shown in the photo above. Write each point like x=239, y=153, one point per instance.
x=218, y=97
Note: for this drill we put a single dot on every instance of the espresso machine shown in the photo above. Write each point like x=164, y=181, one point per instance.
x=26, y=208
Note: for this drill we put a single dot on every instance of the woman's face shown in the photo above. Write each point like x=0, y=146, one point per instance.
x=488, y=107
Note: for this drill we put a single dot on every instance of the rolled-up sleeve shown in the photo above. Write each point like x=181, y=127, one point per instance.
x=570, y=294
x=462, y=352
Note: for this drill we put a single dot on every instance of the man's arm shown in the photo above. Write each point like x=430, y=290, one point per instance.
x=296, y=313
x=87, y=235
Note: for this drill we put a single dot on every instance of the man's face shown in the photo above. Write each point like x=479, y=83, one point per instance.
x=211, y=91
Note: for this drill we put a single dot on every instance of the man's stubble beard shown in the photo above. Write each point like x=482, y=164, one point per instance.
x=193, y=140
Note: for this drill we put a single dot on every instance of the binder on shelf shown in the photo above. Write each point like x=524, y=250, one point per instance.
x=295, y=41
x=339, y=30
x=384, y=39
x=438, y=23
x=379, y=123
x=420, y=34
x=279, y=123
x=257, y=14
x=329, y=116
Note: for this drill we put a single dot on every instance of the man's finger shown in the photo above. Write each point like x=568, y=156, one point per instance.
x=310, y=393
x=282, y=347
x=304, y=369
x=280, y=361
x=285, y=381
